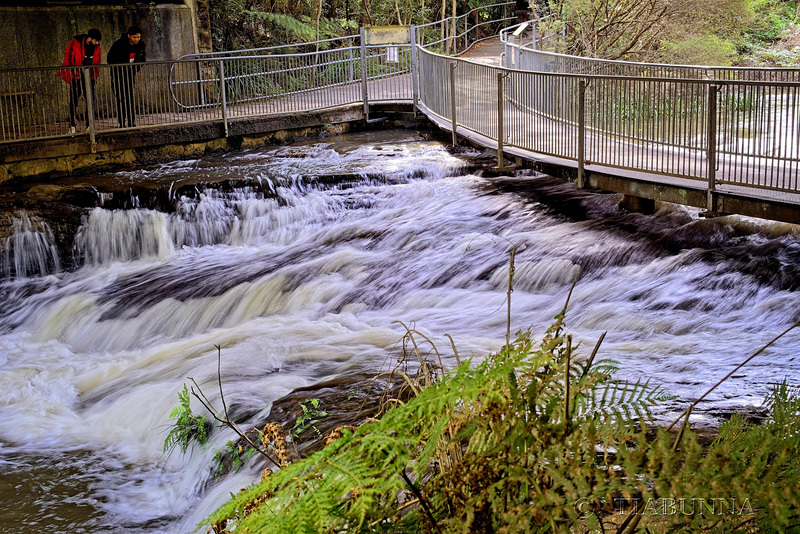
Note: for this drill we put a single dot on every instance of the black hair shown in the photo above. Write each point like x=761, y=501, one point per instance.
x=94, y=33
x=133, y=30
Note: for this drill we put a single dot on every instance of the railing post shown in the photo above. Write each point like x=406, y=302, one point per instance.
x=223, y=96
x=364, y=92
x=453, y=100
x=501, y=160
x=201, y=93
x=501, y=134
x=414, y=67
x=711, y=147
x=581, y=133
x=89, y=94
x=350, y=60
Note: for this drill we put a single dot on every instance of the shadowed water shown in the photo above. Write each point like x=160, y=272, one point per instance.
x=299, y=280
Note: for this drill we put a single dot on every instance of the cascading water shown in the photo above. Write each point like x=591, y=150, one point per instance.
x=298, y=280
x=30, y=250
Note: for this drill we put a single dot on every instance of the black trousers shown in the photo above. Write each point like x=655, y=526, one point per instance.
x=122, y=82
x=77, y=88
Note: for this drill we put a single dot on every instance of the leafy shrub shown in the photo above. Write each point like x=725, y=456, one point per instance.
x=531, y=441
x=188, y=427
x=698, y=50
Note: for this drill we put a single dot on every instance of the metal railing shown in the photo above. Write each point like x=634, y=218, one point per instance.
x=722, y=131
x=295, y=78
x=722, y=125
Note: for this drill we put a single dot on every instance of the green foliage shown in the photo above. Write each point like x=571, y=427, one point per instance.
x=772, y=17
x=311, y=415
x=231, y=459
x=699, y=50
x=492, y=442
x=244, y=25
x=530, y=440
x=188, y=427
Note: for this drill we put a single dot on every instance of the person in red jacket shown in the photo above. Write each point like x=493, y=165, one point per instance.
x=83, y=49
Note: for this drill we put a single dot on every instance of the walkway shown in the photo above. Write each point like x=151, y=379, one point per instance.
x=524, y=127
x=729, y=145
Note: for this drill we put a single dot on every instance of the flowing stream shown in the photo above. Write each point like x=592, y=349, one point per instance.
x=303, y=278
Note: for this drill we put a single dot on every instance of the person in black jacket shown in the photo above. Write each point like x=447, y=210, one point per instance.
x=126, y=50
x=523, y=11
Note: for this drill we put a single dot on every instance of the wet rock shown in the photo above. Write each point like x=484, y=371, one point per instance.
x=347, y=401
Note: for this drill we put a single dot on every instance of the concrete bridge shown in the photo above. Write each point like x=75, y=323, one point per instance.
x=725, y=140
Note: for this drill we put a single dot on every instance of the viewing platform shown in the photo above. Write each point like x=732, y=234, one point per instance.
x=725, y=140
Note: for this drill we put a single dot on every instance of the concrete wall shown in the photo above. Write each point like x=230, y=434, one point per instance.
x=37, y=36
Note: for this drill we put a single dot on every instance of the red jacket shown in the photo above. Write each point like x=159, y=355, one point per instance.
x=73, y=55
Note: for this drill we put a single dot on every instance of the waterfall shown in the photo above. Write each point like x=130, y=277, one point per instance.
x=300, y=279
x=30, y=250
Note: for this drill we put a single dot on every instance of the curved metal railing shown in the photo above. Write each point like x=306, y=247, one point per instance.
x=260, y=74
x=725, y=126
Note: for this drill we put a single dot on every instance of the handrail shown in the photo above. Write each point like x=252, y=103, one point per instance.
x=723, y=125
x=315, y=61
x=746, y=136
x=262, y=51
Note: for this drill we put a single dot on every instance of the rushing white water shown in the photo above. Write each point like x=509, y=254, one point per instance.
x=306, y=284
x=30, y=250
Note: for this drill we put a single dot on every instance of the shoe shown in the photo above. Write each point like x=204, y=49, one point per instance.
x=71, y=130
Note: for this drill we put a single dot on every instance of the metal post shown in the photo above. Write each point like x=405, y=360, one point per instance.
x=350, y=60
x=364, y=92
x=89, y=96
x=453, y=100
x=414, y=67
x=200, y=88
x=581, y=133
x=223, y=96
x=501, y=160
x=501, y=133
x=711, y=146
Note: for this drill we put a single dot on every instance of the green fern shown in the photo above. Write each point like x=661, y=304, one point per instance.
x=187, y=427
x=512, y=443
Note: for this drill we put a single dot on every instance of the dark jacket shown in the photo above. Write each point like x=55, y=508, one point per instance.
x=74, y=55
x=122, y=51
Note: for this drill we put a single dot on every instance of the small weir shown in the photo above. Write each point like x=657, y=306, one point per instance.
x=297, y=261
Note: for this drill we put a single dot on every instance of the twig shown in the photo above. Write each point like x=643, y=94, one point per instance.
x=569, y=295
x=594, y=353
x=418, y=495
x=566, y=385
x=455, y=351
x=223, y=418
x=416, y=351
x=511, y=269
x=723, y=379
x=219, y=380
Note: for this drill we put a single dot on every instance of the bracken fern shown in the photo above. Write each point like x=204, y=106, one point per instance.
x=530, y=440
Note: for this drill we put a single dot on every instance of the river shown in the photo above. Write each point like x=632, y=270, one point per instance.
x=300, y=279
